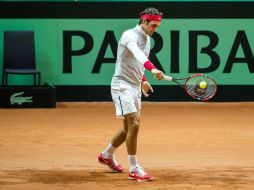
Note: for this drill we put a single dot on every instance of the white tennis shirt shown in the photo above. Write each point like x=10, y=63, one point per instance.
x=133, y=51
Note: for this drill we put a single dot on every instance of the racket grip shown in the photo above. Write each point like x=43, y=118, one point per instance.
x=168, y=78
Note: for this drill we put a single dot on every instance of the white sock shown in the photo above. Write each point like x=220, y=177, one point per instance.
x=133, y=161
x=109, y=151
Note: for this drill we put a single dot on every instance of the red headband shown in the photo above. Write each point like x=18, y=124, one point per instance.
x=151, y=17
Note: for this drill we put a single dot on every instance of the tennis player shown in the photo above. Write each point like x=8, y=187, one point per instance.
x=126, y=86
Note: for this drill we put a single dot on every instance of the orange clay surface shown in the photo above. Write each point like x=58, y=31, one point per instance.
x=193, y=146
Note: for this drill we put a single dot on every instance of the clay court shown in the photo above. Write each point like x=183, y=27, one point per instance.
x=194, y=146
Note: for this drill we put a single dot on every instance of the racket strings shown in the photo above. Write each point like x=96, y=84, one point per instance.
x=193, y=87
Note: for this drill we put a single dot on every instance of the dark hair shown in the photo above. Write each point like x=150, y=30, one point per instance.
x=150, y=11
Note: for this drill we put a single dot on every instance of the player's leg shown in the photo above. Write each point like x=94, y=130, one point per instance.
x=120, y=135
x=135, y=172
x=132, y=121
x=116, y=141
x=107, y=156
x=124, y=104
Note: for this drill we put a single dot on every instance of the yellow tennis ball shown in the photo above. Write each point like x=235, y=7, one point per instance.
x=202, y=84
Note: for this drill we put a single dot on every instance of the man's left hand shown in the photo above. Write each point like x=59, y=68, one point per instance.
x=146, y=87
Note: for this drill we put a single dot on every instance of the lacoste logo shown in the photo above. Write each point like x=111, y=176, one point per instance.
x=18, y=99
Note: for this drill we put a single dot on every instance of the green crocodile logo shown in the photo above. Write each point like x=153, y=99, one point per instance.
x=18, y=99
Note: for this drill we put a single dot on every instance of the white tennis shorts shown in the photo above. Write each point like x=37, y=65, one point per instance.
x=127, y=98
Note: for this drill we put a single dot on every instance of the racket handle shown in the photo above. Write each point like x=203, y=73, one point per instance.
x=168, y=78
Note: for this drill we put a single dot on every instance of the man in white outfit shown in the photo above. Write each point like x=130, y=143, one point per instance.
x=126, y=86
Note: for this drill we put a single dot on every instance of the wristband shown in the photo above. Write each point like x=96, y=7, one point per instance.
x=144, y=78
x=149, y=66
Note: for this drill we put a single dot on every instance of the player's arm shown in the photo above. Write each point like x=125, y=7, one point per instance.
x=140, y=56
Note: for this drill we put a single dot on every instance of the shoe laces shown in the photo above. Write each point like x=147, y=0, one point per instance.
x=114, y=160
x=140, y=171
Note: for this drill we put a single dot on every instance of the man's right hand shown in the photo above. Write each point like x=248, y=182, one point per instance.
x=157, y=74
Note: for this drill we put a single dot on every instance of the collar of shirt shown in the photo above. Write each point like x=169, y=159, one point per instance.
x=139, y=29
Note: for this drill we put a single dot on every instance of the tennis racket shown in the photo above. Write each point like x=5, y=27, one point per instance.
x=198, y=86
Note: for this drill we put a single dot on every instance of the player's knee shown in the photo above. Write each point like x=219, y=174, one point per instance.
x=134, y=125
x=132, y=121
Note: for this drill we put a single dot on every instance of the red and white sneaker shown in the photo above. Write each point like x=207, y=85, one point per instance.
x=139, y=174
x=111, y=163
